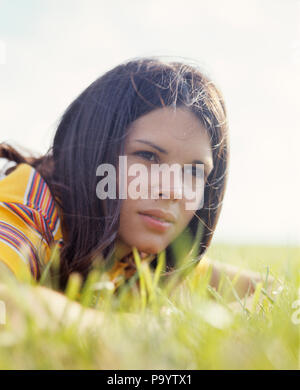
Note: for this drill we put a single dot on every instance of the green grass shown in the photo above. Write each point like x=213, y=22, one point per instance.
x=170, y=326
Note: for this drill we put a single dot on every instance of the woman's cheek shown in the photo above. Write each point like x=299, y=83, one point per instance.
x=137, y=179
x=185, y=218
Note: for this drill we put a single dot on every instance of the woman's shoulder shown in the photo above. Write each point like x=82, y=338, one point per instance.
x=29, y=219
x=14, y=181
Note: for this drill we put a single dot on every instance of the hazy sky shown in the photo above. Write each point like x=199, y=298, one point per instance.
x=50, y=50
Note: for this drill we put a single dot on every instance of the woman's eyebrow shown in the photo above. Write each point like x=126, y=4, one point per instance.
x=207, y=166
x=153, y=145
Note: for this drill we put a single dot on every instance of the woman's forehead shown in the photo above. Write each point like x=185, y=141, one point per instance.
x=169, y=128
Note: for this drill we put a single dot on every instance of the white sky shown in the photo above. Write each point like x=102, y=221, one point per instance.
x=50, y=50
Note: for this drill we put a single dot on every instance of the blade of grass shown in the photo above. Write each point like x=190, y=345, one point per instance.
x=236, y=295
x=73, y=286
x=87, y=293
x=137, y=260
x=256, y=296
x=53, y=264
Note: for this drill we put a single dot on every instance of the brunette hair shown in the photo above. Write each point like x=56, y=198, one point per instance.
x=92, y=131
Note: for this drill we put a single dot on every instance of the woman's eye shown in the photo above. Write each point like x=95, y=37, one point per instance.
x=194, y=170
x=149, y=156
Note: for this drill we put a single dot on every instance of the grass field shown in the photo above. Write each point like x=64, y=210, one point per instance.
x=165, y=327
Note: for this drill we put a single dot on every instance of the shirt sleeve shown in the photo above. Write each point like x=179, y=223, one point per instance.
x=18, y=244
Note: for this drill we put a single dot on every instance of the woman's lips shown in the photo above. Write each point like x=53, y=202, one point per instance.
x=157, y=219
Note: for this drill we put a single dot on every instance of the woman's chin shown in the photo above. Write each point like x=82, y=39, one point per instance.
x=151, y=244
x=150, y=248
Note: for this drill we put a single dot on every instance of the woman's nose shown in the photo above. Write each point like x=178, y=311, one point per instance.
x=166, y=182
x=172, y=189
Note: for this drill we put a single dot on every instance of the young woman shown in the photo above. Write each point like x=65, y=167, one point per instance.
x=150, y=111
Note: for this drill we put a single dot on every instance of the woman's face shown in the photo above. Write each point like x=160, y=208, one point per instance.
x=164, y=136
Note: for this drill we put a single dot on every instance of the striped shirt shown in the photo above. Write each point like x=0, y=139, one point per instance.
x=29, y=221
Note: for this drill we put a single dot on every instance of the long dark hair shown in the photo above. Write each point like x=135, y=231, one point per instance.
x=92, y=131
